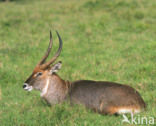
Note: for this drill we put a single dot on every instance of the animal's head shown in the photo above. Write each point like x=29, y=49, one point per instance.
x=44, y=69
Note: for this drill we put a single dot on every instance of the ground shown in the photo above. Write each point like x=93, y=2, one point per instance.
x=102, y=40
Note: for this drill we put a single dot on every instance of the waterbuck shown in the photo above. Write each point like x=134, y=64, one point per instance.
x=101, y=96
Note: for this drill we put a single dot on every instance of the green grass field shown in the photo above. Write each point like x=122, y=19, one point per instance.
x=102, y=40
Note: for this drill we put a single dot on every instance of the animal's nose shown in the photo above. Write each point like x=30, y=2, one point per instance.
x=24, y=86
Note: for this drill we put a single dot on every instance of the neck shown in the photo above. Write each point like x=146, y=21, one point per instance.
x=55, y=89
x=45, y=89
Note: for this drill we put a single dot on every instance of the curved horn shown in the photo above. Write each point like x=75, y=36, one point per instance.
x=48, y=51
x=56, y=54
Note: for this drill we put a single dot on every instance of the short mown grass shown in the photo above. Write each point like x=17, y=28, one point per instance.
x=102, y=40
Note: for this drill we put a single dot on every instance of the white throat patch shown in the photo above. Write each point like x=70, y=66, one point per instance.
x=45, y=89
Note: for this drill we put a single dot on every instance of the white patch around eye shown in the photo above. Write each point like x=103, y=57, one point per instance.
x=38, y=74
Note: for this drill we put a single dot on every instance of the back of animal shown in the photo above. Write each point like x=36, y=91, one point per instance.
x=106, y=97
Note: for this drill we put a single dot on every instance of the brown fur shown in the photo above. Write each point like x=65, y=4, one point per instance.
x=105, y=97
x=100, y=96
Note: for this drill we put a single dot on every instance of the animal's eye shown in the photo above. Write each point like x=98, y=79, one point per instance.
x=39, y=73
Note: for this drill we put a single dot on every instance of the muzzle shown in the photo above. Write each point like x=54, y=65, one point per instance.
x=27, y=87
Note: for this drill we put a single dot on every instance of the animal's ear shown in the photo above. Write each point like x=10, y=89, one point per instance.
x=56, y=67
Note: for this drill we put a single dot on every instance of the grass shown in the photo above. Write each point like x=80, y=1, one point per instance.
x=102, y=40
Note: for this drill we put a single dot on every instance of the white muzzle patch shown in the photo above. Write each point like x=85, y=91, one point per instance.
x=27, y=87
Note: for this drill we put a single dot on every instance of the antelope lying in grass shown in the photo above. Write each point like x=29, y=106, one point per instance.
x=102, y=96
